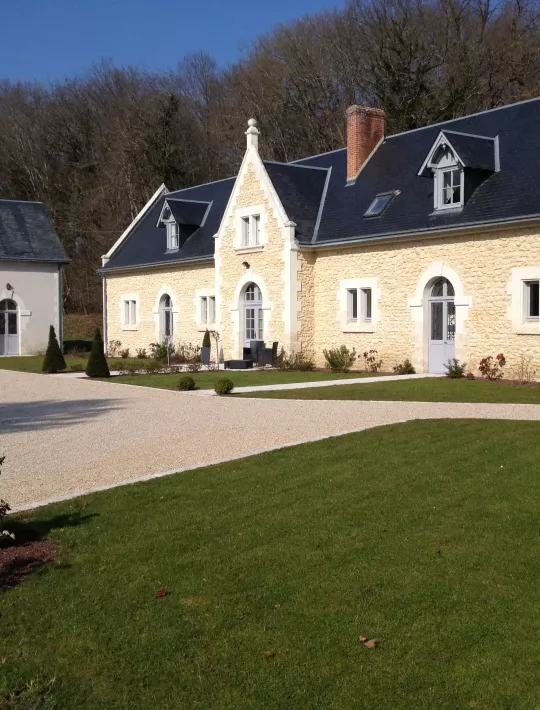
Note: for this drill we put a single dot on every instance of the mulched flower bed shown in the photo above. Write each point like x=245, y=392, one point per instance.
x=18, y=561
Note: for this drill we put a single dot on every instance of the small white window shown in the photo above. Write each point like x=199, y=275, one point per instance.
x=211, y=309
x=204, y=309
x=130, y=312
x=532, y=300
x=358, y=305
x=251, y=230
x=173, y=235
x=449, y=188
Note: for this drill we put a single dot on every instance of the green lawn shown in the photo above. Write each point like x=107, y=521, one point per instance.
x=241, y=378
x=422, y=535
x=33, y=363
x=424, y=390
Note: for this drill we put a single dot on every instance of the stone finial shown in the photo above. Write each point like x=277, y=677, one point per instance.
x=252, y=134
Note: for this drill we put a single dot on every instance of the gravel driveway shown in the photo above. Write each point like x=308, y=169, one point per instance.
x=62, y=437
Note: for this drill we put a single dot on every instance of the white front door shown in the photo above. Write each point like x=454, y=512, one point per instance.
x=9, y=328
x=442, y=326
x=253, y=314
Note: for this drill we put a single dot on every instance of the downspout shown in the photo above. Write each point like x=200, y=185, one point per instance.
x=105, y=339
x=60, y=307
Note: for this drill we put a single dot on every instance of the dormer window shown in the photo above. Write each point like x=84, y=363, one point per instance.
x=448, y=188
x=173, y=235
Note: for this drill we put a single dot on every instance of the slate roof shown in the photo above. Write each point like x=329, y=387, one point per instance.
x=327, y=210
x=27, y=233
x=187, y=211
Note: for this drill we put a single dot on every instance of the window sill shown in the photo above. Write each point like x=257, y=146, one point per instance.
x=207, y=326
x=249, y=250
x=528, y=328
x=130, y=327
x=362, y=327
x=173, y=251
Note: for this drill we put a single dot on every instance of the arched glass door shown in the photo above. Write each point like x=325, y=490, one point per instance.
x=442, y=325
x=9, y=328
x=253, y=314
x=165, y=318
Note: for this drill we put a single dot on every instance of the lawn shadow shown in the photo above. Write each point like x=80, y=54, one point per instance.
x=31, y=550
x=32, y=416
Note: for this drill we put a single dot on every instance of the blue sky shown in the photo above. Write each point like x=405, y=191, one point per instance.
x=47, y=40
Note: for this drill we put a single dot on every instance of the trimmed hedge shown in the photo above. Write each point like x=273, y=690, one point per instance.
x=53, y=360
x=186, y=383
x=224, y=386
x=97, y=362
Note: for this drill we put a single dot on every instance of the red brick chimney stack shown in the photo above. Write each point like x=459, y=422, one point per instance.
x=365, y=129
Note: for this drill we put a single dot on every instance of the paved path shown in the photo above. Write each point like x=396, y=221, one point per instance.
x=320, y=383
x=65, y=437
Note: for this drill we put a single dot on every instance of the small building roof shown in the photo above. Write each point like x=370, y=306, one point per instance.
x=27, y=233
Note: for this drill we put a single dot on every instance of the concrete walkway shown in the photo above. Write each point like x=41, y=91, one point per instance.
x=320, y=383
x=64, y=437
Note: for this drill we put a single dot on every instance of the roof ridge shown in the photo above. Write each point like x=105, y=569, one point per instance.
x=24, y=202
x=318, y=155
x=203, y=184
x=291, y=165
x=462, y=118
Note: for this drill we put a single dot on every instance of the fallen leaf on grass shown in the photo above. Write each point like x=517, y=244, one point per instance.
x=363, y=638
x=370, y=644
x=161, y=592
x=4, y=660
x=269, y=654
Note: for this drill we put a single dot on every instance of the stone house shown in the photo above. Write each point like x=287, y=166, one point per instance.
x=31, y=261
x=422, y=245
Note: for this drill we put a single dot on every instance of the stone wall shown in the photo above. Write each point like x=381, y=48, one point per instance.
x=180, y=282
x=482, y=264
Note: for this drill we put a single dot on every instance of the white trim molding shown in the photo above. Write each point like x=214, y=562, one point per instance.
x=516, y=309
x=292, y=287
x=418, y=306
x=130, y=297
x=358, y=326
x=237, y=307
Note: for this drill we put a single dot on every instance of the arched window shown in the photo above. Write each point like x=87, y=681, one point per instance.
x=253, y=314
x=166, y=317
x=9, y=328
x=442, y=288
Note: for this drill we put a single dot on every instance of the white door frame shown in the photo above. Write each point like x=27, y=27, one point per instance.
x=443, y=349
x=7, y=347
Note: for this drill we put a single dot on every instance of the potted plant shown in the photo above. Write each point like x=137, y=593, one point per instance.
x=205, y=350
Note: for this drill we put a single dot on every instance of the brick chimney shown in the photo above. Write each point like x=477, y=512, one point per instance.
x=365, y=129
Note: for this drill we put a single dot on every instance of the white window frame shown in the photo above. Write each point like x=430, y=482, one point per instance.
x=518, y=310
x=173, y=236
x=439, y=187
x=205, y=309
x=129, y=311
x=251, y=229
x=527, y=300
x=367, y=308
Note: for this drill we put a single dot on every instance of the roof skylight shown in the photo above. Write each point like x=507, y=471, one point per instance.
x=380, y=203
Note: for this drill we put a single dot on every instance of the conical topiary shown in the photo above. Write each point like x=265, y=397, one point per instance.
x=53, y=360
x=97, y=362
x=206, y=339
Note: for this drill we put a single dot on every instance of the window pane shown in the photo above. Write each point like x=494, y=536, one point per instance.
x=126, y=312
x=133, y=312
x=204, y=310
x=438, y=287
x=366, y=305
x=250, y=324
x=256, y=228
x=245, y=231
x=352, y=304
x=451, y=321
x=437, y=320
x=260, y=324
x=533, y=299
x=12, y=324
x=2, y=324
x=447, y=179
x=212, y=313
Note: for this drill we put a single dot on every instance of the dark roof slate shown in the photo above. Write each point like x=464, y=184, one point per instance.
x=188, y=211
x=512, y=193
x=476, y=152
x=300, y=189
x=27, y=233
